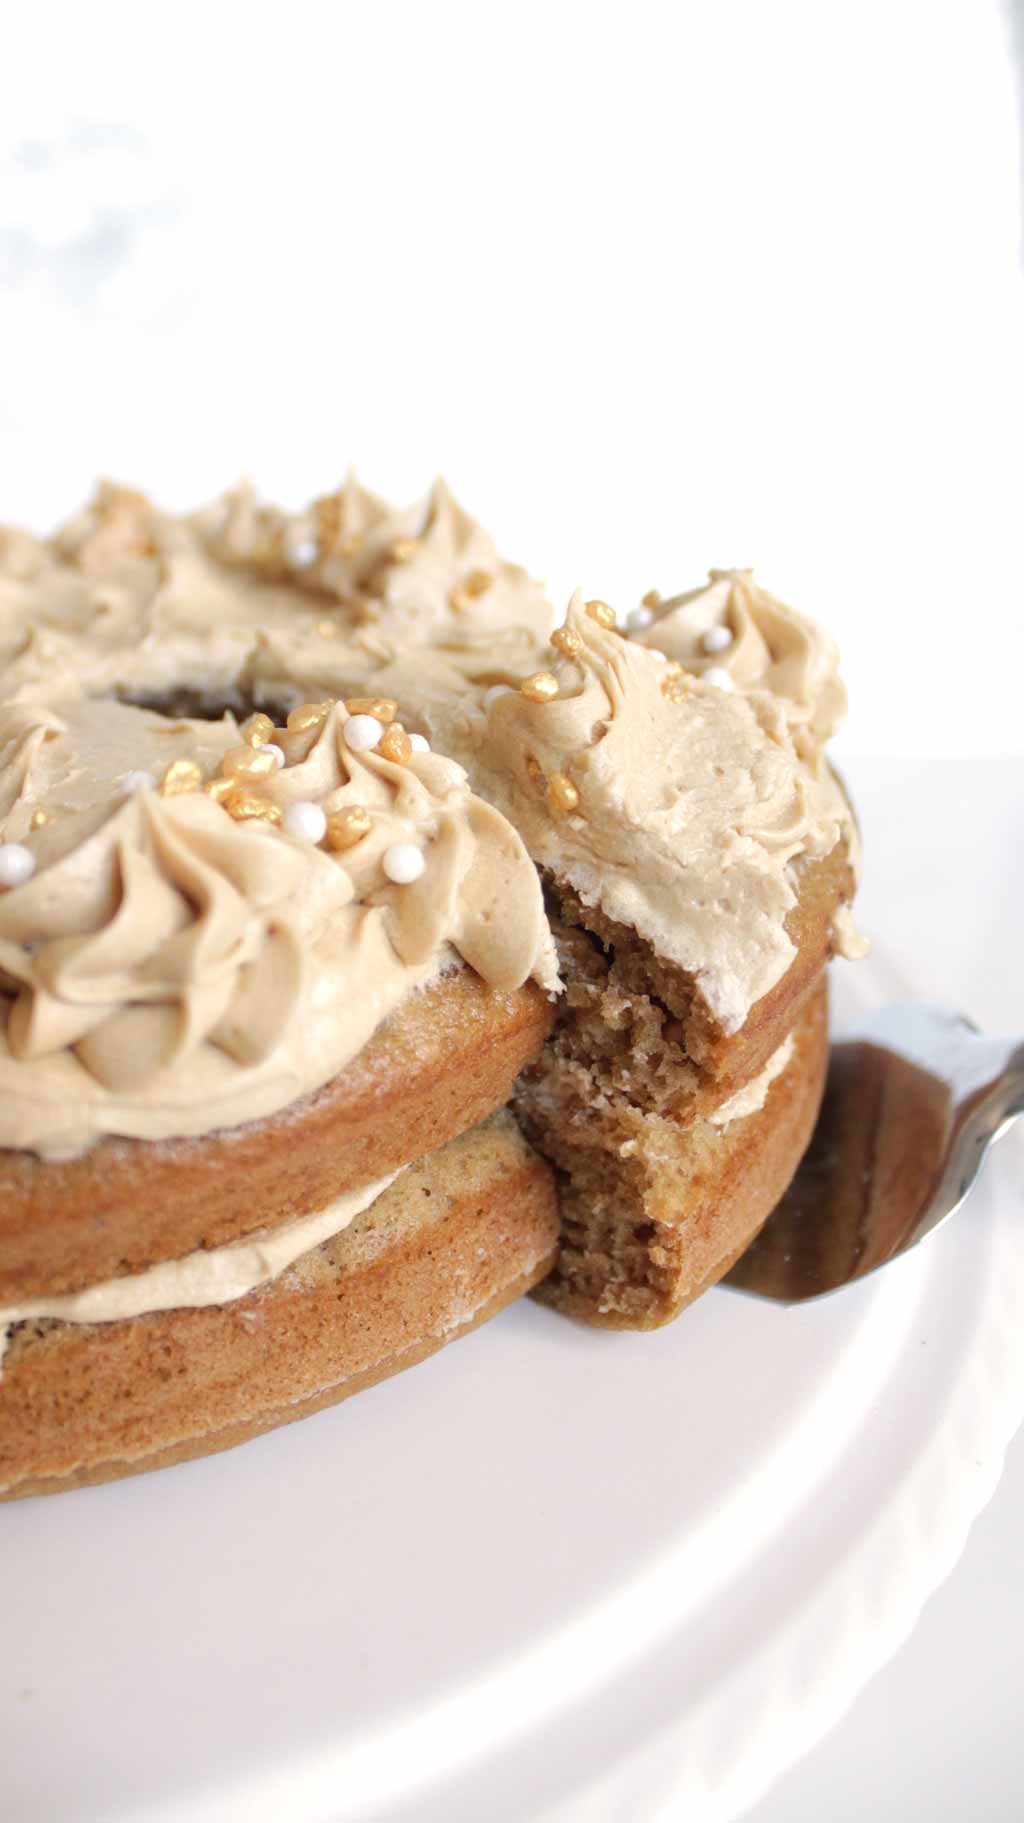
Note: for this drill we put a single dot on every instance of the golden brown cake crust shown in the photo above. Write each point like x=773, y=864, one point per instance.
x=444, y=1061
x=453, y=1240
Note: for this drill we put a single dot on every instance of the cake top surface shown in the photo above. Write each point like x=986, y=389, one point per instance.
x=202, y=919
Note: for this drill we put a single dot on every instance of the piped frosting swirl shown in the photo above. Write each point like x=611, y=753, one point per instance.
x=169, y=969
x=765, y=646
x=682, y=814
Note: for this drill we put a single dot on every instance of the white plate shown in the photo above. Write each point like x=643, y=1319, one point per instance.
x=550, y=1574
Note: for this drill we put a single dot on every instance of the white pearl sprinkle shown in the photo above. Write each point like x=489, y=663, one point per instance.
x=272, y=747
x=719, y=677
x=136, y=781
x=362, y=732
x=638, y=619
x=403, y=863
x=491, y=696
x=717, y=639
x=303, y=553
x=305, y=820
x=419, y=743
x=17, y=864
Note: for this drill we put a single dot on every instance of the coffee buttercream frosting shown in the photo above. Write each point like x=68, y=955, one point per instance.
x=168, y=969
x=172, y=966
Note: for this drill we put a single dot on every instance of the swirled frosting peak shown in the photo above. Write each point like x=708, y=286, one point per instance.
x=416, y=573
x=761, y=643
x=662, y=800
x=169, y=969
x=125, y=598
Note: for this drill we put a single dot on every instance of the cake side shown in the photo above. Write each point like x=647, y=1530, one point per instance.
x=453, y=1239
x=445, y=1060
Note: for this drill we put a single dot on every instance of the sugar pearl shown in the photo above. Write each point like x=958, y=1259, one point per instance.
x=717, y=639
x=638, y=619
x=403, y=863
x=306, y=821
x=491, y=696
x=419, y=743
x=17, y=864
x=362, y=732
x=719, y=677
x=136, y=781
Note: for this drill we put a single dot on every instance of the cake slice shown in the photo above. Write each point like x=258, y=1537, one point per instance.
x=698, y=856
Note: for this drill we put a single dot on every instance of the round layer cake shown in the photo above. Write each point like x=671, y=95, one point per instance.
x=320, y=842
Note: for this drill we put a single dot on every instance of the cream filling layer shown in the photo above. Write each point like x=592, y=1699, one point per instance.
x=215, y=1275
x=754, y=1093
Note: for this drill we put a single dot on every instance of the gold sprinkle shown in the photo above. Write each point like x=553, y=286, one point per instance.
x=181, y=776
x=249, y=763
x=602, y=613
x=40, y=818
x=542, y=687
x=347, y=827
x=326, y=629
x=220, y=789
x=349, y=545
x=565, y=640
x=672, y=668
x=466, y=592
x=394, y=744
x=534, y=772
x=675, y=689
x=306, y=716
x=247, y=806
x=258, y=730
x=384, y=708
x=402, y=550
x=652, y=599
x=562, y=792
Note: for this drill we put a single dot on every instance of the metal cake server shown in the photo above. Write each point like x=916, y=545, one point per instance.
x=914, y=1098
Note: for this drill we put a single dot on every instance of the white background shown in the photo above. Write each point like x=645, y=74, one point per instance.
x=657, y=287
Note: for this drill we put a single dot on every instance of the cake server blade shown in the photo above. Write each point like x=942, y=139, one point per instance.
x=913, y=1100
